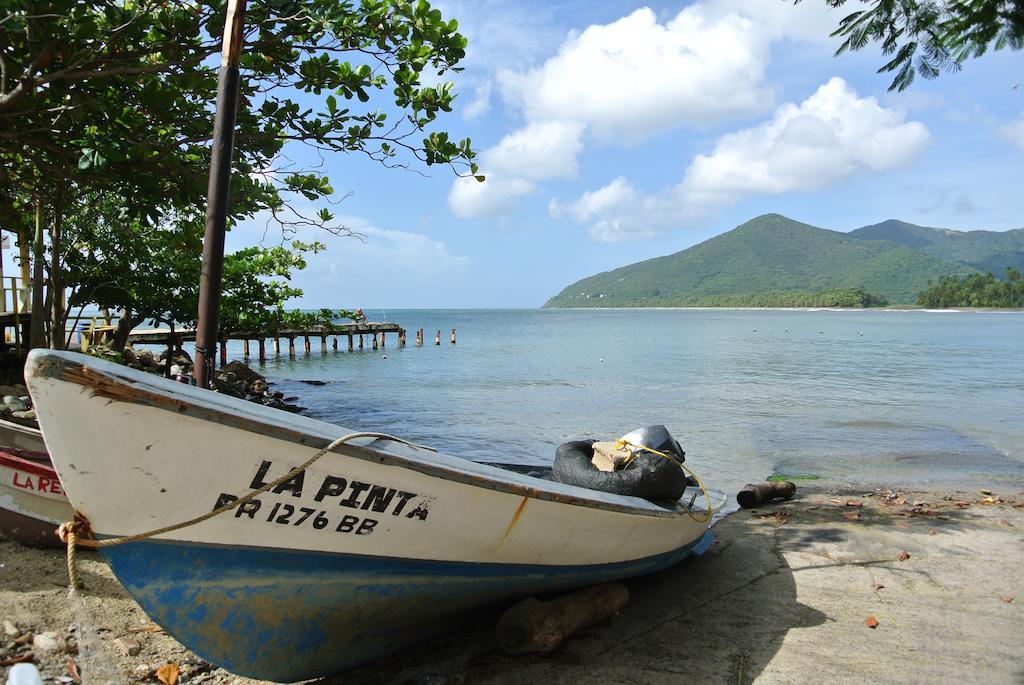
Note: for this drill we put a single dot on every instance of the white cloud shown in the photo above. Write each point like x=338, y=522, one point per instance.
x=1014, y=131
x=471, y=199
x=636, y=76
x=623, y=81
x=480, y=104
x=539, y=151
x=383, y=253
x=595, y=202
x=830, y=136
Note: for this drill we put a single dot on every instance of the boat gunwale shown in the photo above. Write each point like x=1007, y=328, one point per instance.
x=14, y=461
x=117, y=385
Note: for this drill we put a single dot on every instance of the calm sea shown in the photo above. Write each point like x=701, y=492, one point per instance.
x=871, y=397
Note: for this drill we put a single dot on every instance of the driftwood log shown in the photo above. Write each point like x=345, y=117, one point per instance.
x=533, y=626
x=756, y=494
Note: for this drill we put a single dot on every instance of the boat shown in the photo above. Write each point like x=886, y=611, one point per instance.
x=32, y=500
x=23, y=436
x=371, y=548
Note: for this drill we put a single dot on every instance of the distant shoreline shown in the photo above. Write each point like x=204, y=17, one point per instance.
x=890, y=308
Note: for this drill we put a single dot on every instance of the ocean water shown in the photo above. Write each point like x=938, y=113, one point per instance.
x=869, y=397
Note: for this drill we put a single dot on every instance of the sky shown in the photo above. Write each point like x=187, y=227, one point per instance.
x=614, y=132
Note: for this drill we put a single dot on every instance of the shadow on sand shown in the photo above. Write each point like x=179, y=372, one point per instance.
x=716, y=618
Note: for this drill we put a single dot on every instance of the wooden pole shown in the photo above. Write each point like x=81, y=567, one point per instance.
x=360, y=341
x=323, y=343
x=306, y=344
x=350, y=348
x=374, y=336
x=217, y=192
x=263, y=351
x=245, y=347
x=291, y=345
x=223, y=354
x=277, y=346
x=334, y=343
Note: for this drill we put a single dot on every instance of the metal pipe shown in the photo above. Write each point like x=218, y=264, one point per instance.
x=217, y=194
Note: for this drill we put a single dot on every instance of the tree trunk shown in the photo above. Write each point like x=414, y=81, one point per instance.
x=24, y=260
x=56, y=283
x=37, y=334
x=125, y=323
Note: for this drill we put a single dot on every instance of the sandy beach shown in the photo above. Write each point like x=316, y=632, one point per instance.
x=785, y=595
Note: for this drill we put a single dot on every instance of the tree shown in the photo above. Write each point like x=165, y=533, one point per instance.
x=927, y=37
x=151, y=272
x=114, y=97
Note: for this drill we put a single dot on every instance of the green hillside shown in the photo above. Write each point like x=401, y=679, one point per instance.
x=986, y=251
x=768, y=254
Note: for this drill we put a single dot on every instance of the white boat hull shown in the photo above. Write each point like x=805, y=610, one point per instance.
x=346, y=561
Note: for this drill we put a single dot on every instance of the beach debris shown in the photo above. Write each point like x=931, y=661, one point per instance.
x=535, y=626
x=17, y=659
x=168, y=674
x=871, y=622
x=984, y=491
x=49, y=642
x=11, y=630
x=1004, y=522
x=991, y=500
x=961, y=504
x=24, y=674
x=143, y=672
x=149, y=628
x=851, y=515
x=893, y=497
x=854, y=503
x=903, y=555
x=931, y=531
x=778, y=518
x=1006, y=599
x=877, y=586
x=73, y=672
x=753, y=495
x=127, y=646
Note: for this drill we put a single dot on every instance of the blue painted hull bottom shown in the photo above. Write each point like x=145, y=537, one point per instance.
x=284, y=615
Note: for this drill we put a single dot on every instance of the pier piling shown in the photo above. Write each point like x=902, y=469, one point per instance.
x=263, y=351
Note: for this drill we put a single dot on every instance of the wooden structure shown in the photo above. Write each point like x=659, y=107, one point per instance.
x=349, y=331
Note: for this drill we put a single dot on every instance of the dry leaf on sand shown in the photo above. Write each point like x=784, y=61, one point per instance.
x=168, y=674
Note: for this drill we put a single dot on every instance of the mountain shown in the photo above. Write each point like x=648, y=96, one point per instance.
x=986, y=251
x=768, y=254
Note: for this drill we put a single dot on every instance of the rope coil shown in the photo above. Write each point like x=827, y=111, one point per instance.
x=78, y=533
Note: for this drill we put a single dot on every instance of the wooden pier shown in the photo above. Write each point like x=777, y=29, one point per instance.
x=353, y=333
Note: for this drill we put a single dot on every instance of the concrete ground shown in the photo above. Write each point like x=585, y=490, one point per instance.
x=783, y=596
